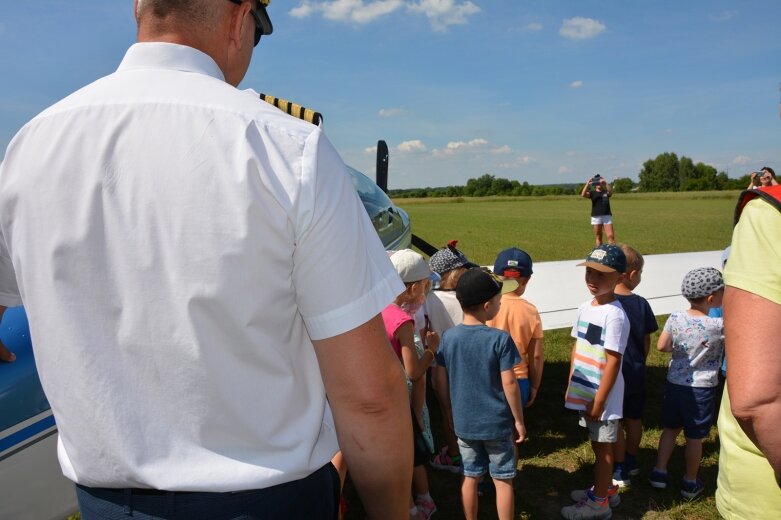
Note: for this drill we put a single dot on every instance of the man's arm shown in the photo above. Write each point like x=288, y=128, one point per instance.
x=595, y=408
x=754, y=368
x=513, y=395
x=368, y=395
x=536, y=363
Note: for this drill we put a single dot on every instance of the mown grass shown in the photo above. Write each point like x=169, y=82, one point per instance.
x=557, y=457
x=558, y=228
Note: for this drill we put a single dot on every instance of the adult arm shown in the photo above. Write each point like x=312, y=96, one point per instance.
x=751, y=180
x=584, y=191
x=754, y=368
x=513, y=395
x=609, y=188
x=368, y=396
x=536, y=364
x=595, y=408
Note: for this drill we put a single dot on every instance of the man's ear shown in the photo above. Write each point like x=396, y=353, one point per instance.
x=237, y=25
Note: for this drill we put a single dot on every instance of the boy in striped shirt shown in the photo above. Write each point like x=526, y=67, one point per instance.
x=596, y=387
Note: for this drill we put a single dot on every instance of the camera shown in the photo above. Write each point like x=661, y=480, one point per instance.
x=597, y=179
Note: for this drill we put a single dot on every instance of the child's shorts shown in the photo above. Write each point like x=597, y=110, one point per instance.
x=526, y=388
x=495, y=456
x=634, y=401
x=600, y=431
x=690, y=408
x=602, y=219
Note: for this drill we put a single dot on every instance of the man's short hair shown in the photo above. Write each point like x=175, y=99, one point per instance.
x=193, y=12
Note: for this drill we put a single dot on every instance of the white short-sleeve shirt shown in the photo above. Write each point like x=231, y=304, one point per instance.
x=177, y=244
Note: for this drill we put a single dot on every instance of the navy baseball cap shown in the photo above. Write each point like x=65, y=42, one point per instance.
x=606, y=258
x=513, y=263
x=449, y=258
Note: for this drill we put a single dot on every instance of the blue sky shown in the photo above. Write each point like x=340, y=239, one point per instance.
x=544, y=91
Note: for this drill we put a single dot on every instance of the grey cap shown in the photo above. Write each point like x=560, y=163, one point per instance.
x=701, y=282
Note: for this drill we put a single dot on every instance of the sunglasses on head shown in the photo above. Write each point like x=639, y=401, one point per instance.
x=262, y=21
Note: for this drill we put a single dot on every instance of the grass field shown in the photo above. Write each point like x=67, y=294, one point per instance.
x=557, y=457
x=558, y=228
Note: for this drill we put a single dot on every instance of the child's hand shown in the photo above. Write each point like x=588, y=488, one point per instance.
x=431, y=341
x=594, y=410
x=520, y=431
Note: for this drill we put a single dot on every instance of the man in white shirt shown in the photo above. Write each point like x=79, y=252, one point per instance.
x=199, y=275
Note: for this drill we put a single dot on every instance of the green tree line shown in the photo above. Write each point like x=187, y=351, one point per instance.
x=666, y=172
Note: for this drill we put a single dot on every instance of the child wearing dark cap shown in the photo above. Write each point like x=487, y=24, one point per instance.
x=596, y=386
x=696, y=342
x=522, y=320
x=486, y=403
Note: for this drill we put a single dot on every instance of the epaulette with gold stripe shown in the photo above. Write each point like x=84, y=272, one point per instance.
x=294, y=109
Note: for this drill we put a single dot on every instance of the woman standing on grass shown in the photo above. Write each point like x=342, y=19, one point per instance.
x=598, y=190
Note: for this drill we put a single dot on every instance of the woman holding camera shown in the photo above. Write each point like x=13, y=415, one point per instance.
x=598, y=190
x=763, y=178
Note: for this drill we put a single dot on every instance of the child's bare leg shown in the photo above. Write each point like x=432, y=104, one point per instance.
x=505, y=499
x=603, y=467
x=598, y=234
x=609, y=233
x=666, y=447
x=419, y=480
x=634, y=434
x=469, y=497
x=693, y=456
x=619, y=447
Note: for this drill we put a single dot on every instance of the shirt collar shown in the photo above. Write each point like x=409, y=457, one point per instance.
x=172, y=56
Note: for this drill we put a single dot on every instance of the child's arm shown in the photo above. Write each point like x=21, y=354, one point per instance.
x=595, y=408
x=665, y=343
x=536, y=362
x=413, y=366
x=513, y=395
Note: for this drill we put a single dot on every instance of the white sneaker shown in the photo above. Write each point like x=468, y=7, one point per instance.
x=613, y=498
x=587, y=509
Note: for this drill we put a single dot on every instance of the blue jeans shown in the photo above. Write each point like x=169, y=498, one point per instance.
x=314, y=497
x=495, y=456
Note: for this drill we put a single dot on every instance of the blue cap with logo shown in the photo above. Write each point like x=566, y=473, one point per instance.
x=606, y=258
x=513, y=263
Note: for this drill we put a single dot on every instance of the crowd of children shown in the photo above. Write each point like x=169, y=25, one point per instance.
x=482, y=343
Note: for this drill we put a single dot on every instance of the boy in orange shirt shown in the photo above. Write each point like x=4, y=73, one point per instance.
x=522, y=320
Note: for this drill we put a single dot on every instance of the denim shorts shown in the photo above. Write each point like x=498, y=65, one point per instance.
x=496, y=456
x=526, y=388
x=600, y=431
x=690, y=408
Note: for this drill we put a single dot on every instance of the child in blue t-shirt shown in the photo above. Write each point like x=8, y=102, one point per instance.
x=696, y=342
x=485, y=399
x=642, y=323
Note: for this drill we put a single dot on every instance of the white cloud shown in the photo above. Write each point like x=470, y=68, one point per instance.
x=455, y=145
x=370, y=150
x=356, y=11
x=723, y=16
x=564, y=169
x=741, y=160
x=576, y=84
x=521, y=160
x=532, y=27
x=415, y=145
x=389, y=112
x=580, y=28
x=504, y=149
x=443, y=13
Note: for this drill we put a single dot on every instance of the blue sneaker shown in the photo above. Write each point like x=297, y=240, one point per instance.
x=631, y=467
x=621, y=476
x=691, y=490
x=658, y=479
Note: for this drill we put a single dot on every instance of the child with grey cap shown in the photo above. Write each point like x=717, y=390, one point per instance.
x=696, y=342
